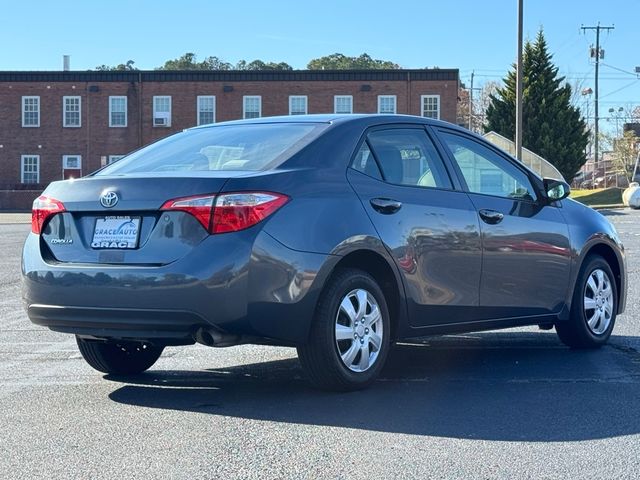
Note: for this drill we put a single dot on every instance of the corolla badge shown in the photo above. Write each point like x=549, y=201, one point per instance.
x=109, y=199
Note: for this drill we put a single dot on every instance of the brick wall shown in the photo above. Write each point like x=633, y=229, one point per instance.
x=95, y=140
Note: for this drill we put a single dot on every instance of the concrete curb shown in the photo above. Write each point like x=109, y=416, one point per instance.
x=607, y=207
x=14, y=218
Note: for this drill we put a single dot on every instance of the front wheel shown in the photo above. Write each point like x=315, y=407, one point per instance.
x=118, y=357
x=349, y=338
x=593, y=308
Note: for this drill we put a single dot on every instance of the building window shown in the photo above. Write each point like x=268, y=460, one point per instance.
x=387, y=104
x=251, y=106
x=114, y=158
x=117, y=111
x=343, y=104
x=297, y=105
x=162, y=111
x=30, y=169
x=71, y=111
x=206, y=109
x=430, y=106
x=71, y=162
x=30, y=111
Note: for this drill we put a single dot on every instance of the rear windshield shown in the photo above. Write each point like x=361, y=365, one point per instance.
x=230, y=147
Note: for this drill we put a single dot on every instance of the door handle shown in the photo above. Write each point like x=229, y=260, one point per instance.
x=386, y=206
x=491, y=216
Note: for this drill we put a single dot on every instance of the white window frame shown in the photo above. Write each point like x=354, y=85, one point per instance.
x=387, y=97
x=199, y=109
x=65, y=124
x=293, y=98
x=423, y=98
x=244, y=105
x=22, y=172
x=65, y=159
x=126, y=106
x=24, y=102
x=336, y=98
x=113, y=158
x=163, y=114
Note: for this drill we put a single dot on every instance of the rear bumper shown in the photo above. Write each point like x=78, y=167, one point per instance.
x=246, y=284
x=176, y=325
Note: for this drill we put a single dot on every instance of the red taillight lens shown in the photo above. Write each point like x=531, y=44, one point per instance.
x=43, y=208
x=237, y=211
x=200, y=207
x=229, y=212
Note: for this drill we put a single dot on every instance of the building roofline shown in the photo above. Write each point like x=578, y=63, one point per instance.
x=449, y=74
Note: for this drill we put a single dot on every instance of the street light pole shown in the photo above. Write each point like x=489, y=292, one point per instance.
x=519, y=86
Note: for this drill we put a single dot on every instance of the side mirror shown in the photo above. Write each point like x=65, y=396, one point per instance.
x=556, y=189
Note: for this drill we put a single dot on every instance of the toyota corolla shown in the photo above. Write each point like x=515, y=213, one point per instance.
x=337, y=235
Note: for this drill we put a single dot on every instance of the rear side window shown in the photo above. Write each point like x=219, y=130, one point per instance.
x=227, y=147
x=408, y=157
x=365, y=163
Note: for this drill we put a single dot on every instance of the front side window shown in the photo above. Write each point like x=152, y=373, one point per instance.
x=251, y=106
x=387, y=104
x=118, y=111
x=343, y=104
x=162, y=111
x=206, y=109
x=72, y=111
x=430, y=106
x=297, y=105
x=30, y=111
x=487, y=172
x=30, y=169
x=408, y=157
x=244, y=147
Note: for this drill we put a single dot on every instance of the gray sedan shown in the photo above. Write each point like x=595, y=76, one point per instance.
x=334, y=234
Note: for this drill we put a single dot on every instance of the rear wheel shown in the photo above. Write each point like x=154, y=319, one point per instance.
x=118, y=357
x=593, y=308
x=349, y=339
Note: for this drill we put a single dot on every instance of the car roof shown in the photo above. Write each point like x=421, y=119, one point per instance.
x=366, y=119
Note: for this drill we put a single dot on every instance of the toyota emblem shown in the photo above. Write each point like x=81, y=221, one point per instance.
x=109, y=199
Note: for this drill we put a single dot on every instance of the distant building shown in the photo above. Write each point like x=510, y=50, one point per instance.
x=56, y=125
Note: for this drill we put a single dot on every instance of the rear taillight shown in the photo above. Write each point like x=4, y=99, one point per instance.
x=229, y=212
x=43, y=208
x=199, y=206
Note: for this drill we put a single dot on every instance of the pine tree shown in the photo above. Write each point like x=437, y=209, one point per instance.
x=552, y=127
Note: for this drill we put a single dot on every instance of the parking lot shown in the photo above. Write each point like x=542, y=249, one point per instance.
x=508, y=404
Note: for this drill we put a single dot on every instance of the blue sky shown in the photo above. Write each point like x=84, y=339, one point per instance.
x=465, y=34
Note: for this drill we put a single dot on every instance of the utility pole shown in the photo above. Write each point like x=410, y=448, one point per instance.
x=471, y=103
x=519, y=86
x=598, y=55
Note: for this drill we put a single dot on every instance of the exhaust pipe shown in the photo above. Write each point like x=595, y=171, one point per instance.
x=214, y=338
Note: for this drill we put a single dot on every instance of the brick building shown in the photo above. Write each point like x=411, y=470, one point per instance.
x=64, y=124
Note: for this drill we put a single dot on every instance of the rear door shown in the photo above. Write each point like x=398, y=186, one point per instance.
x=526, y=249
x=431, y=230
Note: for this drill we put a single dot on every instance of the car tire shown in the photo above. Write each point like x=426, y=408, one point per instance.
x=118, y=358
x=346, y=311
x=593, y=307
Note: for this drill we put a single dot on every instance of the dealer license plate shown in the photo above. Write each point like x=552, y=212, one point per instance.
x=116, y=232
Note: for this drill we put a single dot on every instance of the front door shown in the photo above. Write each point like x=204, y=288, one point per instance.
x=431, y=230
x=526, y=249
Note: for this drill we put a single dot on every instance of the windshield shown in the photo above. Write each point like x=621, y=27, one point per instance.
x=248, y=147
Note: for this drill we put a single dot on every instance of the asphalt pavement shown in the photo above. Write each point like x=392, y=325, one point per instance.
x=507, y=404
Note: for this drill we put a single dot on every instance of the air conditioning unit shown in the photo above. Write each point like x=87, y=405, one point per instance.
x=160, y=121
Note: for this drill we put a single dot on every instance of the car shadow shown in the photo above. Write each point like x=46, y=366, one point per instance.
x=508, y=387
